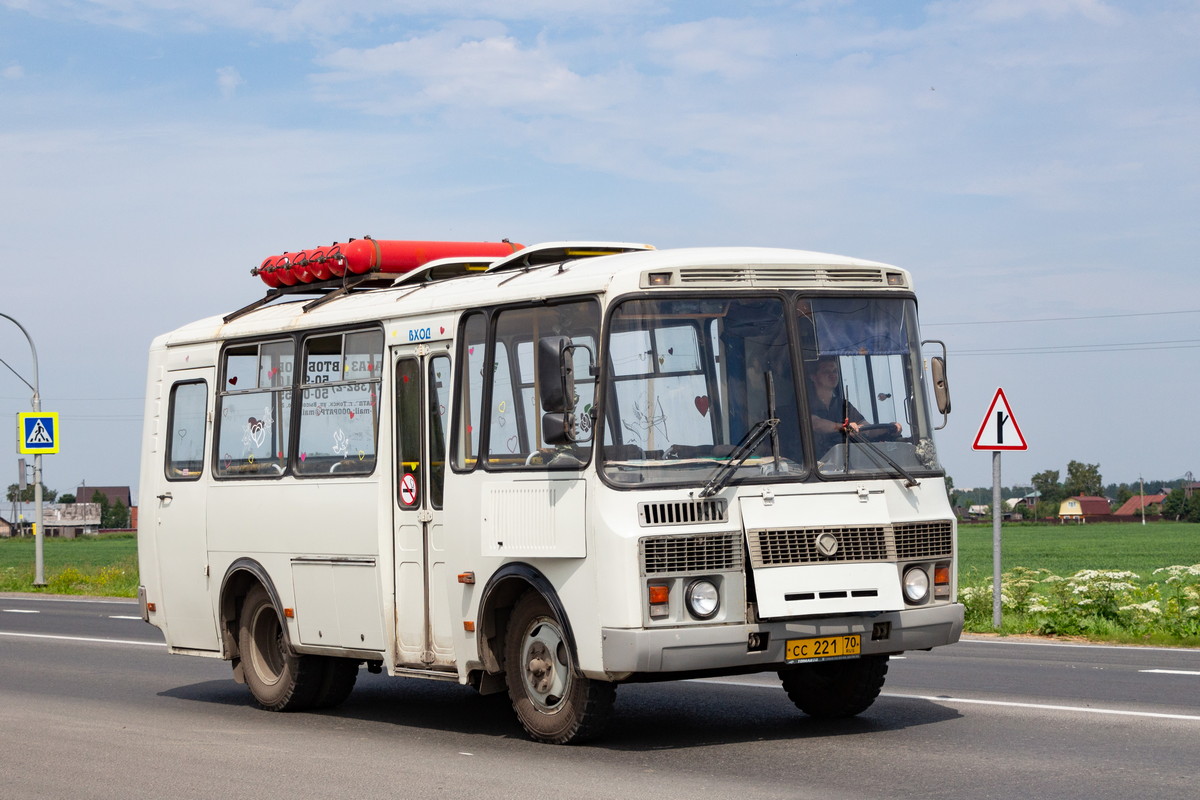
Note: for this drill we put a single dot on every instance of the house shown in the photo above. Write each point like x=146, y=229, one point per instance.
x=6, y=528
x=70, y=520
x=1081, y=508
x=84, y=494
x=1148, y=503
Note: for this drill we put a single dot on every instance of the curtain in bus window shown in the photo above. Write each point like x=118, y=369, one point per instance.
x=339, y=403
x=254, y=409
x=859, y=326
x=185, y=436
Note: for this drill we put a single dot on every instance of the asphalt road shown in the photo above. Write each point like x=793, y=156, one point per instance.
x=91, y=706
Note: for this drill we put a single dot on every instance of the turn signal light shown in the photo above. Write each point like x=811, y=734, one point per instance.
x=660, y=601
x=941, y=575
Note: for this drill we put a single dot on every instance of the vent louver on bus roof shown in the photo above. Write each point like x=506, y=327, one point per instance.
x=785, y=275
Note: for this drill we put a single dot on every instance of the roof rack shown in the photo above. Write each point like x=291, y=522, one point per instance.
x=328, y=290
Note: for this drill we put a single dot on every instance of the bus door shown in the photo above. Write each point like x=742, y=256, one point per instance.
x=421, y=377
x=180, y=518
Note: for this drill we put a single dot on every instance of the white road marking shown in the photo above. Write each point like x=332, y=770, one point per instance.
x=81, y=639
x=35, y=598
x=1044, y=706
x=1002, y=703
x=111, y=616
x=1133, y=648
x=1171, y=671
x=20, y=611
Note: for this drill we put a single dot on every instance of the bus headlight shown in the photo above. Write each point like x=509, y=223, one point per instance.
x=702, y=598
x=916, y=585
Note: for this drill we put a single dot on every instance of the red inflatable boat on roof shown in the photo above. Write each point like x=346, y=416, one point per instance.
x=368, y=255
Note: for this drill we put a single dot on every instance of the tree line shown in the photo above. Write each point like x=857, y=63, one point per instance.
x=1084, y=480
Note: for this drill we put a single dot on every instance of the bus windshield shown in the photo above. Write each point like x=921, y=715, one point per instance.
x=701, y=386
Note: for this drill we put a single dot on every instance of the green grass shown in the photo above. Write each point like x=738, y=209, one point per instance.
x=1032, y=552
x=103, y=565
x=1066, y=549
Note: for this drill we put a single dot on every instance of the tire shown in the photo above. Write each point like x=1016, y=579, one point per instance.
x=337, y=681
x=836, y=689
x=278, y=679
x=554, y=703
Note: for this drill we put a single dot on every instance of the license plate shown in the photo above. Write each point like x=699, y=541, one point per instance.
x=823, y=648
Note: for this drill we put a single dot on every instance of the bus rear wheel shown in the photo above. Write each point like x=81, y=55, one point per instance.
x=554, y=703
x=278, y=679
x=836, y=689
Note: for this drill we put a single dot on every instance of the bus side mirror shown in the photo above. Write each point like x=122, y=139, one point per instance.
x=556, y=388
x=941, y=388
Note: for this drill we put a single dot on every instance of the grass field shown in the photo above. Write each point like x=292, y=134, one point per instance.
x=1066, y=549
x=100, y=565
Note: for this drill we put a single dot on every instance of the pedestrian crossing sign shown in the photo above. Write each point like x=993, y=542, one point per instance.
x=37, y=432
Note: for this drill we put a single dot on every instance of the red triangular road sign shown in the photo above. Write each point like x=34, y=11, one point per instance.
x=999, y=429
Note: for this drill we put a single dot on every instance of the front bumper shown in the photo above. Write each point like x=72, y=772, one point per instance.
x=705, y=648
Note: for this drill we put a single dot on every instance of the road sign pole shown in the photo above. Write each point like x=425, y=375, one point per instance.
x=998, y=431
x=997, y=513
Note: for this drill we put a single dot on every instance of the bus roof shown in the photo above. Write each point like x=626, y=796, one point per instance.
x=576, y=268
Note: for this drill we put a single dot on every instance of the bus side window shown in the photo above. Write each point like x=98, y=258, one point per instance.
x=254, y=409
x=339, y=403
x=186, y=431
x=471, y=351
x=439, y=403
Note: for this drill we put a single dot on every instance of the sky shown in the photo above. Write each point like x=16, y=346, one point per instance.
x=1033, y=163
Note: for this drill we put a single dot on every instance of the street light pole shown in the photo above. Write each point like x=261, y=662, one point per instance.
x=39, y=560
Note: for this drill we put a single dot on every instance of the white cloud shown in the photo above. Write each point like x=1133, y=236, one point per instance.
x=228, y=81
x=465, y=67
x=13, y=72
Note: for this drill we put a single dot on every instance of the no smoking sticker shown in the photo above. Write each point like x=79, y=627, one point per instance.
x=408, y=490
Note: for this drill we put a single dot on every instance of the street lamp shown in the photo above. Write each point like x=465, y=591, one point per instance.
x=39, y=578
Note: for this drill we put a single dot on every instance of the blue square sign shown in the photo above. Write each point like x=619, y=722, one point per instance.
x=37, y=432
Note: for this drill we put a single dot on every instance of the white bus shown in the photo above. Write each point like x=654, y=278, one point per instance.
x=577, y=466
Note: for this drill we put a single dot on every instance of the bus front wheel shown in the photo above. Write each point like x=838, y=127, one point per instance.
x=836, y=689
x=554, y=703
x=279, y=679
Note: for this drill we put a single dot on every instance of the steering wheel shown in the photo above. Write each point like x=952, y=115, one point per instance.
x=880, y=432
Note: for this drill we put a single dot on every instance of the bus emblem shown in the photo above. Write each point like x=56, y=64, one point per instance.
x=827, y=545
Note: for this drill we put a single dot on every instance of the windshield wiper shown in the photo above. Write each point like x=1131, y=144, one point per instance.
x=743, y=451
x=874, y=451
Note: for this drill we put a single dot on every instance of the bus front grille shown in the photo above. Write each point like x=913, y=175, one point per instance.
x=905, y=542
x=774, y=548
x=664, y=555
x=924, y=540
